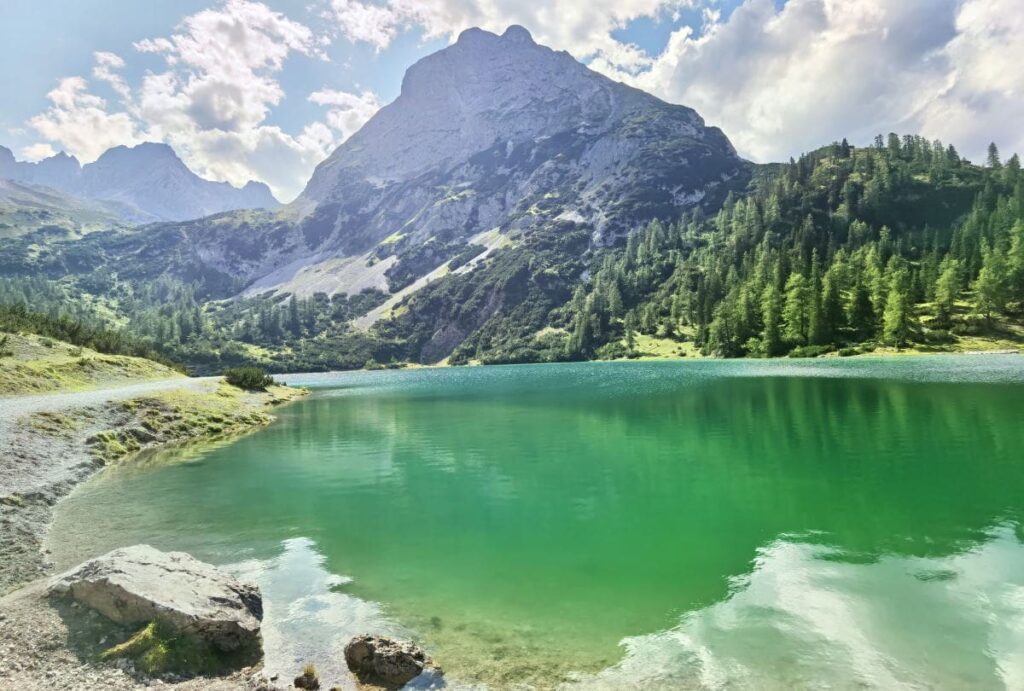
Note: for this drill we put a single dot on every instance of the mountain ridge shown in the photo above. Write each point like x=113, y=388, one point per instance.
x=148, y=180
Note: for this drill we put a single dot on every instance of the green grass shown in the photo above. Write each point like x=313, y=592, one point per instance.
x=156, y=649
x=38, y=365
x=185, y=415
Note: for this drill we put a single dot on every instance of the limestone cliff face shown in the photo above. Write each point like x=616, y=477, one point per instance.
x=498, y=131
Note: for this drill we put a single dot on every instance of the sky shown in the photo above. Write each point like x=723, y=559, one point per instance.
x=265, y=90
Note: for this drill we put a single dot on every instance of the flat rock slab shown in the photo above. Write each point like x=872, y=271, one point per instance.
x=140, y=584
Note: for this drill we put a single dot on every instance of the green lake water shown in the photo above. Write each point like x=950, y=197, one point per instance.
x=843, y=523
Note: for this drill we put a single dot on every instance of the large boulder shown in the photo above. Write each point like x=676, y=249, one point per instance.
x=140, y=584
x=386, y=662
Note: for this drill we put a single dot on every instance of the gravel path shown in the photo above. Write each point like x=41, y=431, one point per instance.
x=44, y=453
x=13, y=407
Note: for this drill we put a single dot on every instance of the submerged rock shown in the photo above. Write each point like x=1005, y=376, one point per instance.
x=385, y=661
x=140, y=584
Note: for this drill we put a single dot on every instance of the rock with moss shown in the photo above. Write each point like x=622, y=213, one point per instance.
x=182, y=595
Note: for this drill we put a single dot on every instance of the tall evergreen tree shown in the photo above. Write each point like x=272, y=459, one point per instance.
x=796, y=312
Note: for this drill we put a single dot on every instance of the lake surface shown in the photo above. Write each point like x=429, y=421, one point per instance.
x=842, y=523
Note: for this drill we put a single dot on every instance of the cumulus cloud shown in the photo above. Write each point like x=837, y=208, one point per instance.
x=984, y=97
x=784, y=80
x=779, y=78
x=210, y=102
x=583, y=28
x=347, y=111
x=81, y=122
x=37, y=152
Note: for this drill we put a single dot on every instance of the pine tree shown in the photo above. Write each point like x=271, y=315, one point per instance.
x=796, y=312
x=771, y=315
x=992, y=160
x=861, y=313
x=630, y=329
x=294, y=322
x=1015, y=260
x=991, y=286
x=831, y=308
x=896, y=321
x=947, y=288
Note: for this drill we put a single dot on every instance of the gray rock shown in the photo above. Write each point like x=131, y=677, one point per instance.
x=385, y=661
x=139, y=584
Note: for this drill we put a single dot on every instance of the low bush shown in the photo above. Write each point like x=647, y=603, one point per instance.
x=248, y=378
x=810, y=350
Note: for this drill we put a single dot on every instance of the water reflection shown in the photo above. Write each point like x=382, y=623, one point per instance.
x=803, y=619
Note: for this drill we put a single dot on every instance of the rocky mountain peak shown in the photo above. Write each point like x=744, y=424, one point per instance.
x=482, y=90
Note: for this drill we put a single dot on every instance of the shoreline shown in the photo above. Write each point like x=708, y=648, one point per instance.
x=53, y=442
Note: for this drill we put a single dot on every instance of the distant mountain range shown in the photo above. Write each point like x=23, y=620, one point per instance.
x=137, y=184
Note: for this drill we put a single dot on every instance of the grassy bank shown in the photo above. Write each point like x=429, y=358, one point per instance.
x=37, y=364
x=115, y=407
x=184, y=416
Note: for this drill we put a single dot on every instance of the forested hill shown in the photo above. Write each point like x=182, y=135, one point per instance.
x=901, y=244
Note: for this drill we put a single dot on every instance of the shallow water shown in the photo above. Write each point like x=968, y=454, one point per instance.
x=741, y=524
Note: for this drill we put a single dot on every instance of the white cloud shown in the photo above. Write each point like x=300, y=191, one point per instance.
x=37, y=152
x=778, y=80
x=348, y=112
x=984, y=100
x=784, y=80
x=105, y=70
x=211, y=102
x=582, y=28
x=81, y=123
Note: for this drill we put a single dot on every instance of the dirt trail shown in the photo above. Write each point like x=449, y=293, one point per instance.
x=13, y=407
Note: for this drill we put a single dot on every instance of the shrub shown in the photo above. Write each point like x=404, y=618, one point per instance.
x=848, y=352
x=810, y=350
x=4, y=350
x=248, y=378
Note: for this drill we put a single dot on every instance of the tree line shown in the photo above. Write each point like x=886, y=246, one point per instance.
x=844, y=246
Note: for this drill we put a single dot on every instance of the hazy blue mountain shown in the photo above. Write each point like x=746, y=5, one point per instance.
x=26, y=208
x=148, y=182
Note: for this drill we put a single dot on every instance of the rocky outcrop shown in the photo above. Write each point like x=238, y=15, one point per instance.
x=140, y=584
x=386, y=662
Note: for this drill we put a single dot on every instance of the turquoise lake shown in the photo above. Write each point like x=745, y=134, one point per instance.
x=754, y=524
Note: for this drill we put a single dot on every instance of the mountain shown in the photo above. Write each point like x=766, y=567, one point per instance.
x=491, y=141
x=500, y=132
x=148, y=182
x=470, y=205
x=27, y=208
